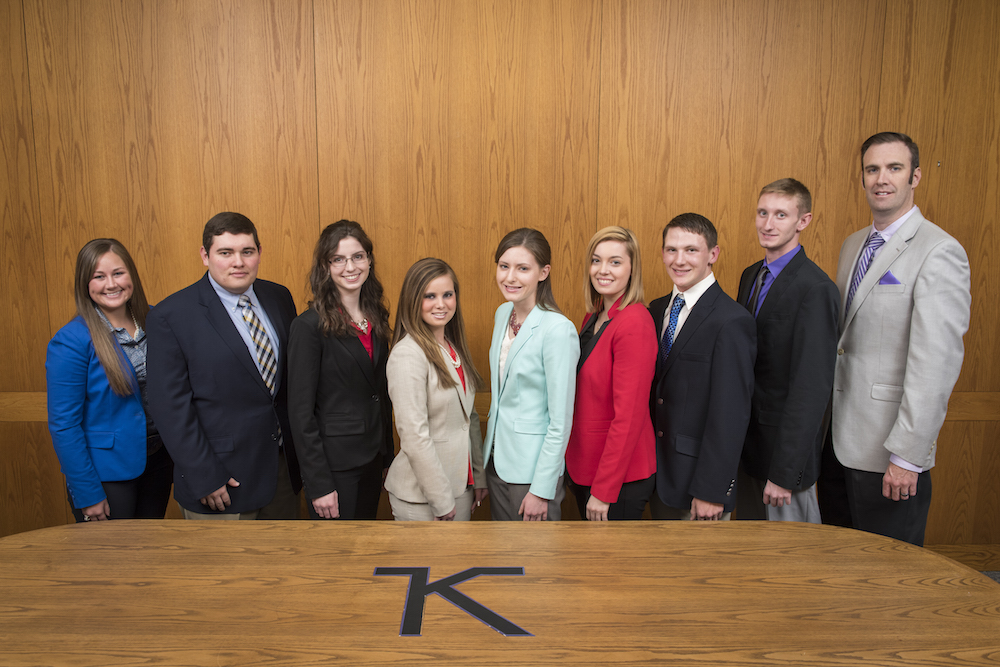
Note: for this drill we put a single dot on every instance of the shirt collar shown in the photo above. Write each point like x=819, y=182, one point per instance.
x=694, y=292
x=887, y=233
x=232, y=301
x=777, y=265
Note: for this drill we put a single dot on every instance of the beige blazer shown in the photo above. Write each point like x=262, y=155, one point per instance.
x=900, y=349
x=438, y=432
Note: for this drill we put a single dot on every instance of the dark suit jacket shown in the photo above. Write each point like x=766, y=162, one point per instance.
x=701, y=400
x=338, y=403
x=796, y=355
x=212, y=408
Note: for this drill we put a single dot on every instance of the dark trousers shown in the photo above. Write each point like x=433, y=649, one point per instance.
x=631, y=501
x=358, y=491
x=144, y=497
x=860, y=492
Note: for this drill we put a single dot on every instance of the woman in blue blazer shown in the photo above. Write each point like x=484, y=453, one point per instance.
x=533, y=382
x=114, y=461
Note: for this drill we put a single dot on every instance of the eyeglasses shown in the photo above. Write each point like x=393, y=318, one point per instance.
x=358, y=259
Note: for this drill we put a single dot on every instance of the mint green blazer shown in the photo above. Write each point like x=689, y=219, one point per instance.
x=531, y=407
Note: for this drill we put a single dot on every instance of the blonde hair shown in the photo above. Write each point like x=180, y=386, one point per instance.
x=633, y=291
x=410, y=321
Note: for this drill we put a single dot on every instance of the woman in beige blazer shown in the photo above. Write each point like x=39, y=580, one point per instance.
x=432, y=383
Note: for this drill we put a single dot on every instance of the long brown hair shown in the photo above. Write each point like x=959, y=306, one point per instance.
x=326, y=297
x=534, y=242
x=409, y=321
x=109, y=353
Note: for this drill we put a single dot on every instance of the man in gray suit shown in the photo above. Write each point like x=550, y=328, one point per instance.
x=905, y=286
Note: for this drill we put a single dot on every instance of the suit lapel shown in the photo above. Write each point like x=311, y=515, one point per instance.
x=352, y=346
x=219, y=319
x=889, y=253
x=527, y=330
x=465, y=397
x=781, y=284
x=269, y=302
x=702, y=309
x=658, y=313
x=747, y=287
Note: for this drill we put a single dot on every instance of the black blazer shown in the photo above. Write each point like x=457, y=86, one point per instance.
x=796, y=355
x=338, y=403
x=215, y=414
x=701, y=401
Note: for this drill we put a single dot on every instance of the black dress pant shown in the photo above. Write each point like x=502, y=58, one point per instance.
x=144, y=497
x=358, y=491
x=631, y=501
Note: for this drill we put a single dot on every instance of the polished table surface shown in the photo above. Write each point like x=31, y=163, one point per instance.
x=642, y=593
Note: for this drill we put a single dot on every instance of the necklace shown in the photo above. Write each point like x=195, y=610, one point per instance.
x=134, y=322
x=363, y=325
x=456, y=361
x=514, y=326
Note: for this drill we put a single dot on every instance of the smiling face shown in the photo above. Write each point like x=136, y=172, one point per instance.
x=232, y=261
x=111, y=285
x=438, y=305
x=687, y=257
x=889, y=181
x=518, y=276
x=349, y=266
x=779, y=223
x=610, y=270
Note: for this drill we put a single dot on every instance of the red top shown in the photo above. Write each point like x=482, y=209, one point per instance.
x=366, y=340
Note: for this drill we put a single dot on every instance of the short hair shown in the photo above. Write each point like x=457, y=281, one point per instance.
x=633, y=290
x=696, y=224
x=326, y=297
x=534, y=242
x=410, y=321
x=116, y=366
x=891, y=138
x=227, y=222
x=789, y=187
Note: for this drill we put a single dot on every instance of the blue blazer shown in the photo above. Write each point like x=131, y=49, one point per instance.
x=531, y=411
x=98, y=435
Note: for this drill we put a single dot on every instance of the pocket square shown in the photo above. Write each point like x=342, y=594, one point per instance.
x=888, y=279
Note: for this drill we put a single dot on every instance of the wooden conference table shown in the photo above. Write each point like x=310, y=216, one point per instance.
x=643, y=593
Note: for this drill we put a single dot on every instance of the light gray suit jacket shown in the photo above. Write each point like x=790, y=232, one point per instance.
x=438, y=432
x=900, y=349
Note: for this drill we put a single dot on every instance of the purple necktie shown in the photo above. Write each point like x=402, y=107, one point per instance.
x=875, y=242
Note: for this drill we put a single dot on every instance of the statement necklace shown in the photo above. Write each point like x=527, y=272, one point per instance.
x=453, y=357
x=514, y=326
x=363, y=325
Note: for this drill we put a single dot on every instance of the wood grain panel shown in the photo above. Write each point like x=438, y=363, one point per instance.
x=24, y=324
x=702, y=103
x=305, y=593
x=940, y=86
x=444, y=125
x=151, y=117
x=32, y=490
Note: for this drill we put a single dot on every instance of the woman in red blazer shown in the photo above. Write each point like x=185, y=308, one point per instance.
x=611, y=458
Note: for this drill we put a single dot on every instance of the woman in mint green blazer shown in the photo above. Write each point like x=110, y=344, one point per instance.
x=533, y=360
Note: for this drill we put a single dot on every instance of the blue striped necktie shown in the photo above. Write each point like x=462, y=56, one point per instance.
x=875, y=242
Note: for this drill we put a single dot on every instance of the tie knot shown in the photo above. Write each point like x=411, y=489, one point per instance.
x=244, y=301
x=876, y=240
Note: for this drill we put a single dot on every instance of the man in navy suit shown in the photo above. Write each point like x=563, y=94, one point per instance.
x=796, y=305
x=704, y=379
x=217, y=383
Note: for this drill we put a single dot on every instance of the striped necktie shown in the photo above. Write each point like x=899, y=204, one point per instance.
x=875, y=242
x=265, y=353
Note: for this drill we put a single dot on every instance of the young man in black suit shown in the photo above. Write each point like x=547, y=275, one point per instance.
x=796, y=307
x=703, y=382
x=216, y=369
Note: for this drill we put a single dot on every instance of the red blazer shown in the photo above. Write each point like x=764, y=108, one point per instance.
x=612, y=441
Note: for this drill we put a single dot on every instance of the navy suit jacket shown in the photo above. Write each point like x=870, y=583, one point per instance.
x=796, y=355
x=701, y=400
x=211, y=406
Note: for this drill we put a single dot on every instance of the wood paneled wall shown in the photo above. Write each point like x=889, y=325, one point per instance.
x=442, y=124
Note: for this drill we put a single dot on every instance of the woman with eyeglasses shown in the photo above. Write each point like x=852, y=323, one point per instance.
x=338, y=403
x=95, y=368
x=438, y=473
